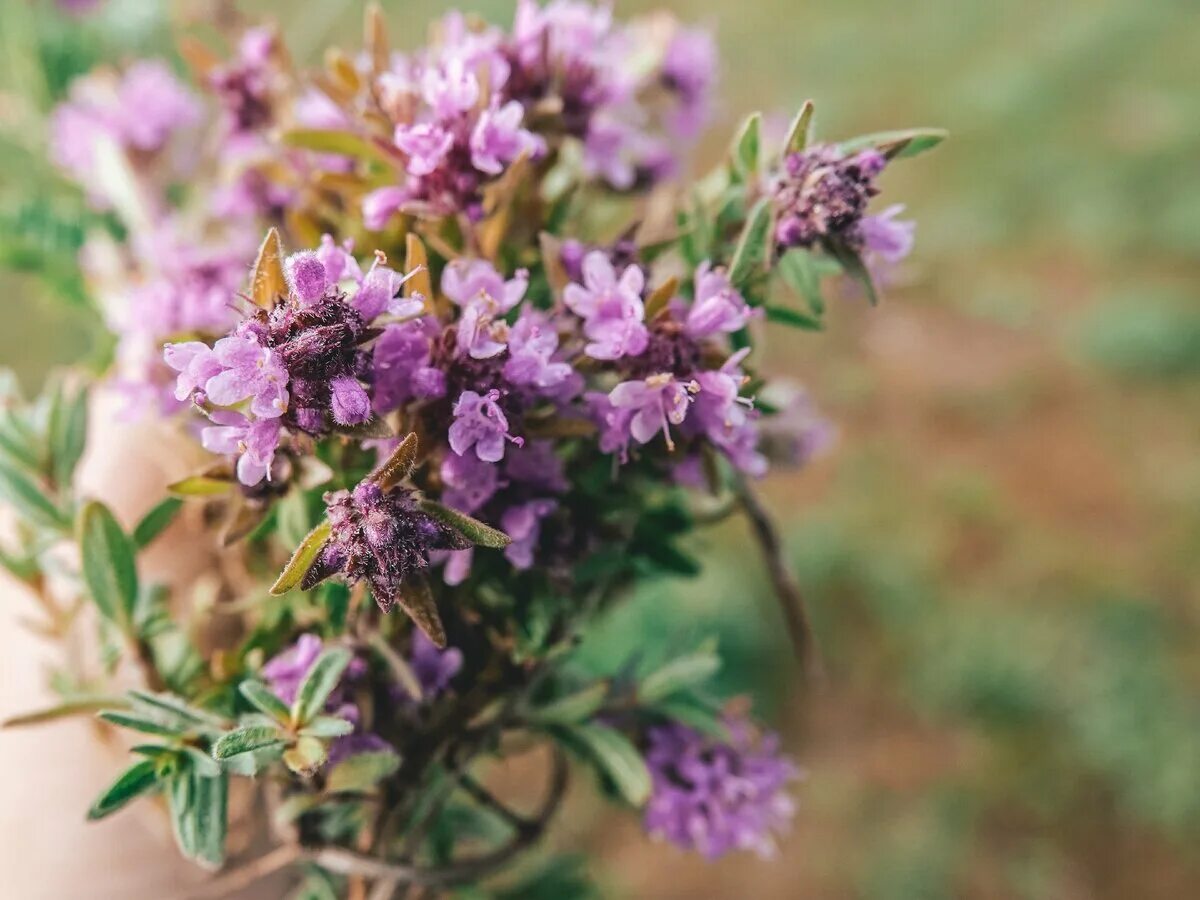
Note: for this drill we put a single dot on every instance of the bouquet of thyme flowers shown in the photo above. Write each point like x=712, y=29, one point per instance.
x=489, y=368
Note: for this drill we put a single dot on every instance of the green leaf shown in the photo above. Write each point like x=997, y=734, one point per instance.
x=172, y=709
x=327, y=727
x=616, y=757
x=694, y=713
x=575, y=707
x=898, y=144
x=472, y=529
x=201, y=486
x=362, y=771
x=794, y=318
x=155, y=522
x=137, y=723
x=244, y=740
x=71, y=707
x=853, y=266
x=209, y=811
x=67, y=433
x=747, y=147
x=302, y=559
x=180, y=795
x=29, y=499
x=319, y=683
x=399, y=465
x=753, y=246
x=342, y=143
x=264, y=700
x=108, y=564
x=138, y=779
x=800, y=131
x=679, y=674
x=306, y=757
x=801, y=272
x=17, y=441
x=204, y=764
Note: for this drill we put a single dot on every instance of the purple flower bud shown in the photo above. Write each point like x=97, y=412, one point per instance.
x=716, y=797
x=348, y=401
x=823, y=194
x=306, y=276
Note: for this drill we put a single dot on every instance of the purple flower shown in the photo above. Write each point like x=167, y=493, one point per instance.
x=475, y=282
x=689, y=68
x=718, y=307
x=426, y=145
x=339, y=262
x=715, y=797
x=285, y=672
x=348, y=401
x=434, y=668
x=823, y=195
x=401, y=363
x=449, y=90
x=253, y=442
x=479, y=422
x=887, y=238
x=382, y=537
x=537, y=466
x=656, y=403
x=612, y=309
x=249, y=371
x=523, y=523
x=355, y=744
x=498, y=138
x=468, y=481
x=307, y=276
x=381, y=204
x=195, y=362
x=532, y=343
x=798, y=433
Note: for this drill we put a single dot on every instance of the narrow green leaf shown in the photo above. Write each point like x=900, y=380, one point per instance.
x=244, y=740
x=180, y=797
x=172, y=709
x=399, y=465
x=679, y=674
x=72, y=707
x=853, y=265
x=155, y=522
x=690, y=711
x=210, y=802
x=137, y=723
x=898, y=144
x=68, y=433
x=753, y=246
x=264, y=700
x=800, y=272
x=800, y=131
x=617, y=758
x=342, y=143
x=575, y=707
x=138, y=779
x=204, y=764
x=319, y=683
x=108, y=564
x=747, y=147
x=362, y=771
x=794, y=318
x=472, y=529
x=201, y=486
x=17, y=441
x=29, y=500
x=327, y=727
x=306, y=553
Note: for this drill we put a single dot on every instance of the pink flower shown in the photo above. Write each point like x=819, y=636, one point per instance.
x=498, y=138
x=426, y=145
x=657, y=403
x=887, y=238
x=612, y=309
x=480, y=423
x=718, y=307
x=532, y=343
x=254, y=443
x=523, y=523
x=249, y=371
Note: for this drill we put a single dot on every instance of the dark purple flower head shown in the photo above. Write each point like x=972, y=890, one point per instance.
x=715, y=797
x=822, y=195
x=381, y=537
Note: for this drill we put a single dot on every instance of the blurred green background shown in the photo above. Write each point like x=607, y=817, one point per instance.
x=1002, y=555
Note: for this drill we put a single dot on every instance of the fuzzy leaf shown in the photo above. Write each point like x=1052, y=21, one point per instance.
x=74, y=707
x=308, y=755
x=399, y=666
x=171, y=709
x=417, y=600
x=244, y=740
x=29, y=500
x=137, y=723
x=679, y=674
x=754, y=244
x=267, y=281
x=201, y=486
x=853, y=265
x=341, y=143
x=68, y=434
x=138, y=779
x=319, y=683
x=155, y=522
x=794, y=318
x=575, y=707
x=660, y=297
x=362, y=771
x=109, y=569
x=327, y=727
x=399, y=465
x=209, y=812
x=898, y=144
x=746, y=147
x=472, y=529
x=800, y=272
x=800, y=131
x=616, y=757
x=201, y=762
x=302, y=559
x=264, y=700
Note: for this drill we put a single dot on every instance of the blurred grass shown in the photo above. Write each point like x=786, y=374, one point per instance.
x=1001, y=558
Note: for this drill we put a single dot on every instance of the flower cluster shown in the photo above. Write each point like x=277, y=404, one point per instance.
x=715, y=796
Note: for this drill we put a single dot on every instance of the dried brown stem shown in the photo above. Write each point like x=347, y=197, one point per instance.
x=787, y=590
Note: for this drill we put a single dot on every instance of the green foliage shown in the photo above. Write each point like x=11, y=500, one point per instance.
x=109, y=569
